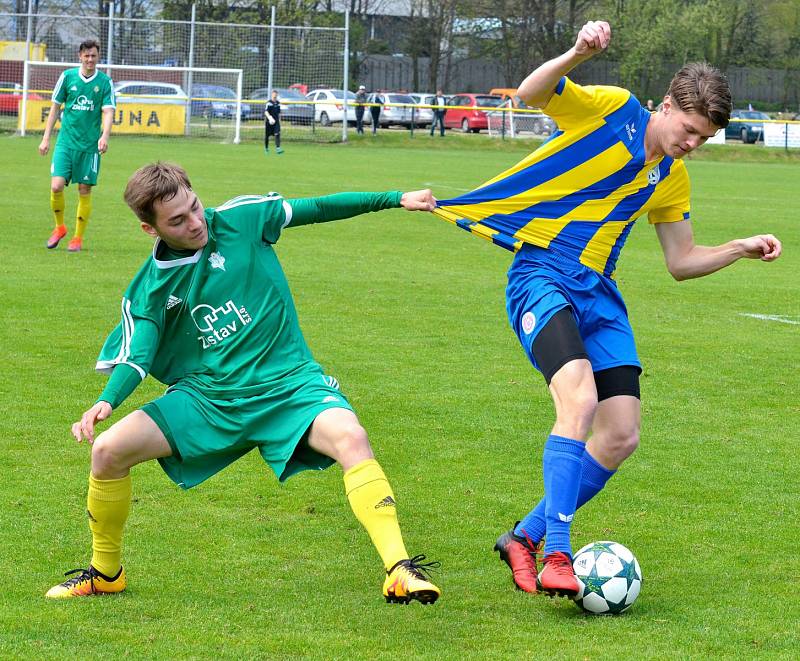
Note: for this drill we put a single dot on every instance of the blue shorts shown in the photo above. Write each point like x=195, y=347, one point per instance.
x=542, y=282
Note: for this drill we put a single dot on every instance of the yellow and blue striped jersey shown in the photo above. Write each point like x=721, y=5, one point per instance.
x=581, y=191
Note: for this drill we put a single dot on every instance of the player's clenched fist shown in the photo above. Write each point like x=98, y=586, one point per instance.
x=593, y=38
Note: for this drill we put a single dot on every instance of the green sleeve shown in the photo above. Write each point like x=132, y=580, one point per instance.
x=122, y=383
x=322, y=209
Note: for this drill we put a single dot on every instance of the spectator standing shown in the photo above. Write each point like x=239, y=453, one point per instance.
x=375, y=111
x=361, y=99
x=438, y=112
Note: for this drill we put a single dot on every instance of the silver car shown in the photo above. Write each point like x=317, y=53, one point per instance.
x=144, y=91
x=399, y=115
x=423, y=116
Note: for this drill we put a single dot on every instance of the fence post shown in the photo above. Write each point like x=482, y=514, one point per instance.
x=413, y=114
x=271, y=60
x=110, y=50
x=23, y=110
x=346, y=77
x=187, y=129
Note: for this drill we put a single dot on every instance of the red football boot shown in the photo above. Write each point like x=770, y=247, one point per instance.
x=519, y=553
x=557, y=577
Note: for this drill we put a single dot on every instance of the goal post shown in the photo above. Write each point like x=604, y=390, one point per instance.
x=151, y=100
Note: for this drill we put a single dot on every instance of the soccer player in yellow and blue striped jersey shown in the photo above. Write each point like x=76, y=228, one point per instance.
x=566, y=210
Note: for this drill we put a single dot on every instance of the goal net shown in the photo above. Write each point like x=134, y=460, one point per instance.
x=151, y=100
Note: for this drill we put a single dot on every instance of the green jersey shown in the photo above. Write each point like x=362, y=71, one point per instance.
x=222, y=321
x=83, y=100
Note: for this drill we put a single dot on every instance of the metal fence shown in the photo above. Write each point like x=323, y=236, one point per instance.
x=270, y=56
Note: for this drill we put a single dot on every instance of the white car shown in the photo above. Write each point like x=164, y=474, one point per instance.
x=144, y=91
x=329, y=106
x=423, y=116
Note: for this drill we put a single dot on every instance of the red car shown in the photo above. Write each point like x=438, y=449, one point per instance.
x=466, y=117
x=11, y=97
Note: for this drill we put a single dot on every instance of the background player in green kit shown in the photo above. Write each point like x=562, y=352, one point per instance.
x=88, y=99
x=210, y=315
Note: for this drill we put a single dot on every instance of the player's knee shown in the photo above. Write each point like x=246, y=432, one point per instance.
x=107, y=461
x=622, y=442
x=350, y=441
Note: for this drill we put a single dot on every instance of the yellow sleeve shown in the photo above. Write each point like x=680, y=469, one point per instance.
x=673, y=197
x=574, y=105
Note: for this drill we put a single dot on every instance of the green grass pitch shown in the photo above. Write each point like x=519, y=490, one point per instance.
x=408, y=313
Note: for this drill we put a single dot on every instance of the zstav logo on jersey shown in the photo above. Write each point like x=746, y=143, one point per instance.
x=217, y=324
x=83, y=103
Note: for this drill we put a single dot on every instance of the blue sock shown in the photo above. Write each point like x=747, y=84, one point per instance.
x=562, y=479
x=593, y=478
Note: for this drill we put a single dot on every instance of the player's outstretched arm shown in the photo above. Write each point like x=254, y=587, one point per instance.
x=686, y=260
x=84, y=428
x=538, y=87
x=346, y=205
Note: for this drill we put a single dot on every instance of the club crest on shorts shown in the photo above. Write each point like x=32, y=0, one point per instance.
x=528, y=322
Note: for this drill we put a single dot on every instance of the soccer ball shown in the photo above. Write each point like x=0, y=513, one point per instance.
x=609, y=578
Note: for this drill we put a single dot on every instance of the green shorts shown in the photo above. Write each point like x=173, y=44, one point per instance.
x=208, y=434
x=82, y=167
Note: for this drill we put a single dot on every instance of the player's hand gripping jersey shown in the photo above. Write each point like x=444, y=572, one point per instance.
x=581, y=191
x=222, y=320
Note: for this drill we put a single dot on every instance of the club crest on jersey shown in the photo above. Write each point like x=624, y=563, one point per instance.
x=217, y=260
x=217, y=324
x=654, y=175
x=528, y=322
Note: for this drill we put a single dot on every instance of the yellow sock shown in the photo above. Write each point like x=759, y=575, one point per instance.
x=84, y=211
x=373, y=503
x=57, y=205
x=108, y=504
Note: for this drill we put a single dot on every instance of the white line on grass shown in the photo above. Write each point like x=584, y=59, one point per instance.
x=433, y=184
x=780, y=318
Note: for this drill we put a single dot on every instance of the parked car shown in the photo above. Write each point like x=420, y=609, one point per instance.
x=423, y=116
x=398, y=115
x=533, y=122
x=291, y=110
x=466, y=116
x=329, y=106
x=750, y=129
x=11, y=97
x=143, y=91
x=218, y=102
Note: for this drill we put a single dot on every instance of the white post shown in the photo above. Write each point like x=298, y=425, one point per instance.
x=23, y=110
x=110, y=49
x=346, y=76
x=271, y=61
x=237, y=134
x=187, y=129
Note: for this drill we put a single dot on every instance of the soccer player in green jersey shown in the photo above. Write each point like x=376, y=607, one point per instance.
x=87, y=96
x=210, y=315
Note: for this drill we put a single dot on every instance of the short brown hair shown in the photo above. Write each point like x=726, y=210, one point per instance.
x=154, y=183
x=88, y=45
x=698, y=87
